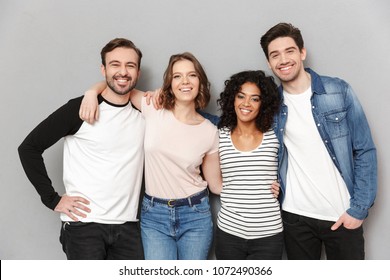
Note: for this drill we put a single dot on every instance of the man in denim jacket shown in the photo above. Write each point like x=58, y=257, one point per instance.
x=328, y=166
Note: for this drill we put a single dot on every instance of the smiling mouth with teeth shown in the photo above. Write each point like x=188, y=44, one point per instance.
x=122, y=80
x=286, y=68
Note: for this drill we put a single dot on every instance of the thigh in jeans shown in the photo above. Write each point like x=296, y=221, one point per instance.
x=83, y=241
x=126, y=242
x=195, y=231
x=229, y=247
x=301, y=240
x=156, y=232
x=266, y=248
x=343, y=243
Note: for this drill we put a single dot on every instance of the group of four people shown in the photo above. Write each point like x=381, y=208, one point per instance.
x=320, y=150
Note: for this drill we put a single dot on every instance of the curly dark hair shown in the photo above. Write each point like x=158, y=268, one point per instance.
x=269, y=96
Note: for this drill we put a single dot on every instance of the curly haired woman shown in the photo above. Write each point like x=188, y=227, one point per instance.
x=249, y=221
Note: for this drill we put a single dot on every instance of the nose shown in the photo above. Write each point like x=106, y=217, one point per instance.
x=283, y=58
x=184, y=79
x=246, y=102
x=123, y=70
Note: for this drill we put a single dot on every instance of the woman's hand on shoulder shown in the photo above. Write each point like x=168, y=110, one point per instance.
x=89, y=108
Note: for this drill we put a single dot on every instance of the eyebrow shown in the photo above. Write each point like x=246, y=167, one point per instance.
x=255, y=94
x=190, y=72
x=117, y=61
x=286, y=49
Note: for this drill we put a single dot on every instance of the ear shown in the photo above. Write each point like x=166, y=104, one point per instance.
x=103, y=70
x=303, y=54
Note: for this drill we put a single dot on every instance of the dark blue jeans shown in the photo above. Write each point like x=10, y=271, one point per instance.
x=94, y=241
x=230, y=247
x=305, y=236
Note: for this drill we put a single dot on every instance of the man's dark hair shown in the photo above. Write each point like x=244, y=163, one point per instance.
x=281, y=30
x=120, y=43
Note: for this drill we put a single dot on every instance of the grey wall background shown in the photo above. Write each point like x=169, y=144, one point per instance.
x=50, y=53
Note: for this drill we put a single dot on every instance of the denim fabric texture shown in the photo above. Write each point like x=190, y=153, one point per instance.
x=214, y=119
x=346, y=135
x=176, y=233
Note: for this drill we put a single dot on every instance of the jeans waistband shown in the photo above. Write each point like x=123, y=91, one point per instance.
x=191, y=200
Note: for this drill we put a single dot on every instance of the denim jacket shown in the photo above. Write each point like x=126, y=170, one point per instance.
x=346, y=135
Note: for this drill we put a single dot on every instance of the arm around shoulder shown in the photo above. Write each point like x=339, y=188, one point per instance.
x=136, y=98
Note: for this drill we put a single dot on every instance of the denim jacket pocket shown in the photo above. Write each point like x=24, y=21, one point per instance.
x=336, y=124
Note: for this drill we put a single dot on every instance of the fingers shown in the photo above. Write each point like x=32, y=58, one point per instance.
x=74, y=214
x=156, y=99
x=336, y=225
x=149, y=96
x=87, y=115
x=82, y=113
x=153, y=96
x=347, y=222
x=73, y=206
x=89, y=108
x=275, y=188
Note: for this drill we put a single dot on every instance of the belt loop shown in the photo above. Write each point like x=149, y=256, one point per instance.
x=151, y=201
x=189, y=201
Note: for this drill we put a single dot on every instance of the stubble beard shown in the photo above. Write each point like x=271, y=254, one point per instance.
x=124, y=91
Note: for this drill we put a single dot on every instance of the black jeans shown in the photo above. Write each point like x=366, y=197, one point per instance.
x=230, y=247
x=94, y=241
x=305, y=236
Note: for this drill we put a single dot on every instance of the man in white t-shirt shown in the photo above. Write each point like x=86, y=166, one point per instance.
x=103, y=164
x=327, y=159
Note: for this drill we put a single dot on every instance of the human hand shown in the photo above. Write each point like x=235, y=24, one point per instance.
x=347, y=221
x=89, y=108
x=154, y=97
x=275, y=188
x=71, y=206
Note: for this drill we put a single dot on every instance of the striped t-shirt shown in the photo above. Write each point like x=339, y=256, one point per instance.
x=248, y=208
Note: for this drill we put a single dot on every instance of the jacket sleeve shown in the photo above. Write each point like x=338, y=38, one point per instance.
x=364, y=159
x=214, y=119
x=64, y=121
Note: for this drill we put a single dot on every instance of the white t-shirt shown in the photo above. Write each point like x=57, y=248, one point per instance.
x=314, y=186
x=103, y=163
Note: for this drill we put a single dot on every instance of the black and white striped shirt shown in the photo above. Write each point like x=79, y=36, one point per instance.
x=248, y=207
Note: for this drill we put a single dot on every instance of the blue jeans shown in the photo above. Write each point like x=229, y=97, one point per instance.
x=305, y=236
x=94, y=241
x=230, y=247
x=176, y=233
